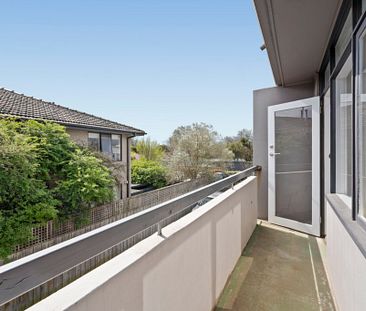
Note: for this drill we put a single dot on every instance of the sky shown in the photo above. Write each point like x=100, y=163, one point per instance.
x=151, y=64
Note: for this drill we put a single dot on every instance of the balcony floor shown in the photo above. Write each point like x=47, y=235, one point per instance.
x=279, y=269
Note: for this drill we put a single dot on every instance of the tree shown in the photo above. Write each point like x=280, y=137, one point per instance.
x=149, y=173
x=149, y=149
x=24, y=199
x=44, y=175
x=194, y=151
x=86, y=182
x=241, y=145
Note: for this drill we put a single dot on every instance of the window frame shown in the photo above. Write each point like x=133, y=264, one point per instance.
x=358, y=25
x=110, y=135
x=120, y=146
x=359, y=30
x=96, y=133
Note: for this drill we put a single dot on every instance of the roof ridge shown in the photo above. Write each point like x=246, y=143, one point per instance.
x=73, y=110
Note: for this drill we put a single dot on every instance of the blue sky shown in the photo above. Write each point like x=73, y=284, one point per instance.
x=152, y=64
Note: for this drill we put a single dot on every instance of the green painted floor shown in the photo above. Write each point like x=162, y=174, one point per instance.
x=278, y=270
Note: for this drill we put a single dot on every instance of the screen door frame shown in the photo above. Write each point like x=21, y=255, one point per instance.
x=314, y=227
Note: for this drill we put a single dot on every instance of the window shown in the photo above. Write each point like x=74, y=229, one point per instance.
x=361, y=123
x=116, y=147
x=344, y=37
x=344, y=129
x=94, y=141
x=106, y=143
x=327, y=76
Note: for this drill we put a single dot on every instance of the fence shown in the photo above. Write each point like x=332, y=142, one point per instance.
x=55, y=232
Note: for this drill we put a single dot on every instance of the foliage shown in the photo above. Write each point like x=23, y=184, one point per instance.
x=24, y=199
x=43, y=174
x=195, y=151
x=241, y=145
x=86, y=182
x=149, y=173
x=149, y=149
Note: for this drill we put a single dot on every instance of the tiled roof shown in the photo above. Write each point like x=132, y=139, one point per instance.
x=19, y=105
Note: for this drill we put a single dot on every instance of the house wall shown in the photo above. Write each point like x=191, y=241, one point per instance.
x=262, y=99
x=81, y=138
x=185, y=269
x=78, y=136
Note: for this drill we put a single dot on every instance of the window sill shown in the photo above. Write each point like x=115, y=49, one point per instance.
x=343, y=211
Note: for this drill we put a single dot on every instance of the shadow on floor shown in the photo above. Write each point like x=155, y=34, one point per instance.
x=278, y=270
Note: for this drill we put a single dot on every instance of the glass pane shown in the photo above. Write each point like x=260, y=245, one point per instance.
x=93, y=141
x=327, y=76
x=116, y=147
x=344, y=37
x=344, y=129
x=293, y=142
x=361, y=124
x=106, y=144
x=363, y=6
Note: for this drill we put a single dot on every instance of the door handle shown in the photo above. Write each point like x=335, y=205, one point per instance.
x=274, y=153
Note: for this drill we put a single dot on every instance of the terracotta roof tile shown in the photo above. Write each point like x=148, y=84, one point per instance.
x=22, y=106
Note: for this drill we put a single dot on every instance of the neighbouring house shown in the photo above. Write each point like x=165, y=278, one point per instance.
x=109, y=137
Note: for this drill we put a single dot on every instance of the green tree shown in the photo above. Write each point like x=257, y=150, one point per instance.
x=241, y=145
x=43, y=174
x=85, y=183
x=195, y=151
x=149, y=173
x=25, y=201
x=149, y=149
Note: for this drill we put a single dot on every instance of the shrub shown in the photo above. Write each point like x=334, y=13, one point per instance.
x=24, y=199
x=149, y=173
x=44, y=174
x=86, y=182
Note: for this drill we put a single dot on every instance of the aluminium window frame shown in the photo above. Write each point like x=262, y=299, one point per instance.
x=358, y=21
x=358, y=31
x=110, y=134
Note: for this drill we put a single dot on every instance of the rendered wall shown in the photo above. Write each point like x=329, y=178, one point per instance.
x=78, y=136
x=345, y=265
x=185, y=269
x=262, y=99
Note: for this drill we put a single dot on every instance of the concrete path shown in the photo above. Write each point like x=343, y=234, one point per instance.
x=279, y=269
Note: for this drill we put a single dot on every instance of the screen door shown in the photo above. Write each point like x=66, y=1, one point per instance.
x=294, y=165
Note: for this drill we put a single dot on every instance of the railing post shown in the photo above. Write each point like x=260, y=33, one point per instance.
x=159, y=229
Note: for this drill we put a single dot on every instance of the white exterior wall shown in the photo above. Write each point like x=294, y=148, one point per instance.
x=186, y=269
x=345, y=265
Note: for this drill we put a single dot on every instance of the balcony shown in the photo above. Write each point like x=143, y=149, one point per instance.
x=279, y=269
x=218, y=256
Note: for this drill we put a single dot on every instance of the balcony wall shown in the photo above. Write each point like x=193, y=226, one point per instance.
x=345, y=263
x=184, y=269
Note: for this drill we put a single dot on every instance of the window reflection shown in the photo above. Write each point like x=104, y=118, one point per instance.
x=361, y=124
x=116, y=147
x=344, y=37
x=344, y=129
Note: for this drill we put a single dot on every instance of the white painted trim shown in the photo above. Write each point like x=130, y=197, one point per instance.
x=314, y=227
